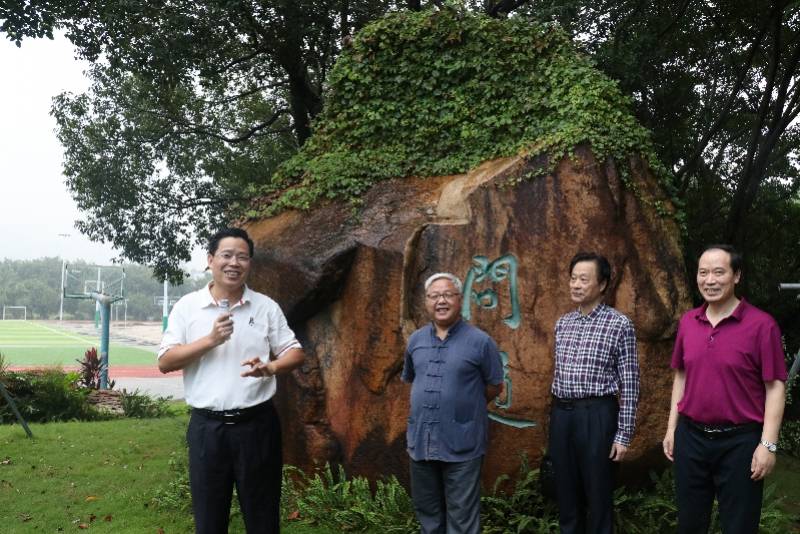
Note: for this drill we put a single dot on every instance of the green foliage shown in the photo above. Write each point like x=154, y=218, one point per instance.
x=438, y=92
x=143, y=406
x=523, y=510
x=789, y=439
x=649, y=510
x=47, y=395
x=176, y=494
x=330, y=499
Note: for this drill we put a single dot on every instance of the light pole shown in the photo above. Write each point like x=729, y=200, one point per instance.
x=63, y=268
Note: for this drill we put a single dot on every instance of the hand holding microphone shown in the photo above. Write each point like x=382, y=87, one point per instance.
x=223, y=325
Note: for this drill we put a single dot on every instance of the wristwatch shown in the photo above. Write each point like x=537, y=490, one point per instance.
x=771, y=447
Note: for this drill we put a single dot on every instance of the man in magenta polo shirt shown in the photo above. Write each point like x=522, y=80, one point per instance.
x=727, y=401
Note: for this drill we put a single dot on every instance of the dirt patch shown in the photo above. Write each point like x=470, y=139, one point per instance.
x=142, y=334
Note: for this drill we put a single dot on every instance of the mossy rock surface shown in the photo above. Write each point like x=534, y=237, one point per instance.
x=438, y=92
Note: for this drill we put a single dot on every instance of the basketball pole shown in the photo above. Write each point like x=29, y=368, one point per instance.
x=104, y=303
x=61, y=308
x=165, y=309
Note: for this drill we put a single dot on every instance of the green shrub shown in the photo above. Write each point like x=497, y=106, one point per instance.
x=143, y=406
x=523, y=510
x=46, y=395
x=330, y=499
x=789, y=439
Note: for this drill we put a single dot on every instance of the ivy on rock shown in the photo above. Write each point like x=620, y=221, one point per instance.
x=438, y=92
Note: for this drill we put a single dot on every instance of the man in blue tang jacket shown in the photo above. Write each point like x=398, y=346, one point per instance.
x=454, y=370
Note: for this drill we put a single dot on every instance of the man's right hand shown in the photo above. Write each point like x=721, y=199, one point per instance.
x=222, y=329
x=669, y=443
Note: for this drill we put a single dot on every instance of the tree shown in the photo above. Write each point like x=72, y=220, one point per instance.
x=718, y=86
x=193, y=105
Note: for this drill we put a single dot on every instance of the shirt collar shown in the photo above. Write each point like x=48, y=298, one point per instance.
x=208, y=299
x=450, y=331
x=592, y=314
x=737, y=313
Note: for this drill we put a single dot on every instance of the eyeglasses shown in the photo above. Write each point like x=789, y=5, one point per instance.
x=228, y=256
x=447, y=295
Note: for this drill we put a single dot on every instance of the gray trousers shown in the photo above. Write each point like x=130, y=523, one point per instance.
x=447, y=496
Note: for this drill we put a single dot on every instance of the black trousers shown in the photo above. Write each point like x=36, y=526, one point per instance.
x=247, y=454
x=705, y=466
x=580, y=442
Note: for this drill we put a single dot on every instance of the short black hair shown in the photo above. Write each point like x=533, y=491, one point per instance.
x=737, y=261
x=603, y=267
x=213, y=242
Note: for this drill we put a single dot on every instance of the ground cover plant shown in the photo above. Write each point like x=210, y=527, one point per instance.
x=28, y=343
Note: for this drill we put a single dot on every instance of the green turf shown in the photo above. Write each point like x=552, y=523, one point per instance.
x=32, y=343
x=102, y=475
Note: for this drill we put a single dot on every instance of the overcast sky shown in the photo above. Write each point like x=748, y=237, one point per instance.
x=35, y=206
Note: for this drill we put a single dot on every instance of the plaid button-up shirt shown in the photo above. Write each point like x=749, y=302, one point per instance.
x=596, y=356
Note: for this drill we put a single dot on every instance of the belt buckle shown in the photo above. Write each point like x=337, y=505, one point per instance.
x=567, y=404
x=231, y=417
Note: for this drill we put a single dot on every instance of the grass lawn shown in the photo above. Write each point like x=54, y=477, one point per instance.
x=32, y=343
x=100, y=474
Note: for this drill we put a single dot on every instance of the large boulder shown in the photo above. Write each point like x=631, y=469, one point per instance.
x=350, y=282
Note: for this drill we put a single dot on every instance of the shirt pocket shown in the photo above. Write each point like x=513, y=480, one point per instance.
x=463, y=436
x=253, y=338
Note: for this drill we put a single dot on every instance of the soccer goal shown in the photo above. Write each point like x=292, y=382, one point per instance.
x=15, y=313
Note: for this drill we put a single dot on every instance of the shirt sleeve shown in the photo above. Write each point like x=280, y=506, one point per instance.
x=773, y=359
x=281, y=337
x=628, y=370
x=175, y=334
x=408, y=367
x=677, y=351
x=491, y=365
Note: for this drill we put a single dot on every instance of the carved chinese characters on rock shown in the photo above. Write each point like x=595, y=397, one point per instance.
x=485, y=285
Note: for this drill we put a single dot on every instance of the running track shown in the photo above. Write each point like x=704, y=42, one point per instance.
x=114, y=371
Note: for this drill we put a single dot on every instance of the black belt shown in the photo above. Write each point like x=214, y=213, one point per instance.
x=238, y=415
x=585, y=402
x=720, y=431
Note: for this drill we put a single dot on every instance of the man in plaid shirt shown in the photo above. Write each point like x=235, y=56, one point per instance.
x=595, y=393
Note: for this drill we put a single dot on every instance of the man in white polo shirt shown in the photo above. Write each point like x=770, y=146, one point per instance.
x=221, y=337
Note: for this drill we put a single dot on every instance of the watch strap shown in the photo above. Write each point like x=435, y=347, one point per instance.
x=771, y=447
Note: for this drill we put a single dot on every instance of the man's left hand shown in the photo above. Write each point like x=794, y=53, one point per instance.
x=259, y=369
x=618, y=452
x=763, y=463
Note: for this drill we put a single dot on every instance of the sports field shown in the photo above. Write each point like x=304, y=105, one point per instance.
x=27, y=343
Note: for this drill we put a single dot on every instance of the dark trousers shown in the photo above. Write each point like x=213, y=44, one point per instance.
x=580, y=442
x=247, y=454
x=705, y=466
x=447, y=496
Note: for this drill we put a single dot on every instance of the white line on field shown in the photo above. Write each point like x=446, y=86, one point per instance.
x=81, y=339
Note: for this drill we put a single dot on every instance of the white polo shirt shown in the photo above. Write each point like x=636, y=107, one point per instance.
x=213, y=381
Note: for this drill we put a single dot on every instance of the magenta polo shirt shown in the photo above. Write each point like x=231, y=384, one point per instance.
x=726, y=366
